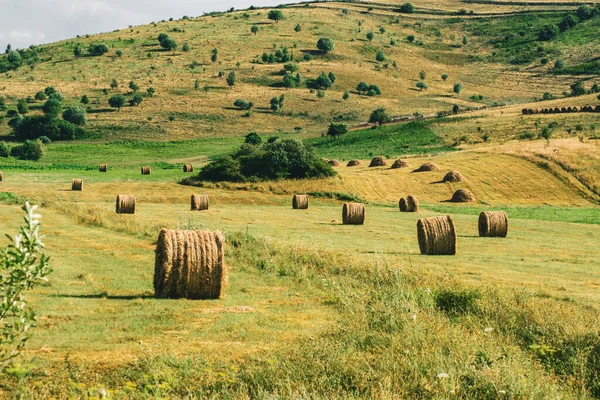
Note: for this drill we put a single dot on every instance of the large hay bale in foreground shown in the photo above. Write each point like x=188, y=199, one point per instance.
x=353, y=214
x=188, y=168
x=77, y=184
x=453, y=176
x=300, y=202
x=437, y=236
x=403, y=205
x=400, y=164
x=334, y=163
x=428, y=166
x=412, y=204
x=493, y=224
x=199, y=202
x=353, y=163
x=125, y=204
x=189, y=264
x=462, y=196
x=378, y=161
x=102, y=168
x=145, y=170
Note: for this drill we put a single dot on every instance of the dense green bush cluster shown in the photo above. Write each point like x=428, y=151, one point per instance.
x=280, y=56
x=282, y=159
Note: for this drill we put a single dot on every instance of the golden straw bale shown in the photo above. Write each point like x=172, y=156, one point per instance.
x=102, y=167
x=145, y=170
x=437, y=236
x=125, y=204
x=354, y=163
x=189, y=264
x=334, y=163
x=428, y=166
x=199, y=202
x=400, y=164
x=378, y=161
x=412, y=204
x=453, y=176
x=353, y=214
x=462, y=196
x=77, y=184
x=188, y=168
x=300, y=202
x=403, y=204
x=493, y=224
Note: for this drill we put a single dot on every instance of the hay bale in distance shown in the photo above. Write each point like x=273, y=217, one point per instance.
x=1, y=176
x=403, y=205
x=145, y=170
x=493, y=224
x=412, y=204
x=189, y=264
x=569, y=109
x=563, y=109
x=400, y=164
x=188, y=168
x=556, y=110
x=334, y=163
x=437, y=236
x=428, y=166
x=300, y=202
x=199, y=202
x=353, y=163
x=453, y=176
x=125, y=204
x=462, y=196
x=524, y=111
x=597, y=109
x=353, y=214
x=77, y=184
x=102, y=168
x=378, y=161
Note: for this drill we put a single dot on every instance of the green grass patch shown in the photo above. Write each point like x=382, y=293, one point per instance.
x=392, y=140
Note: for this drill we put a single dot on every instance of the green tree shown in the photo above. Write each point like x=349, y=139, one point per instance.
x=332, y=77
x=362, y=87
x=230, y=79
x=75, y=115
x=410, y=38
x=40, y=95
x=407, y=8
x=465, y=40
x=457, y=88
x=23, y=266
x=150, y=91
x=585, y=12
x=136, y=100
x=114, y=84
x=119, y=53
x=254, y=29
x=298, y=28
x=380, y=56
x=444, y=77
x=185, y=47
x=370, y=36
x=52, y=108
x=577, y=89
x=117, y=101
x=422, y=74
x=568, y=22
x=214, y=55
x=98, y=49
x=559, y=64
x=133, y=86
x=323, y=81
x=168, y=44
x=243, y=104
x=275, y=15
x=548, y=32
x=422, y=85
x=162, y=37
x=291, y=80
x=84, y=99
x=77, y=51
x=14, y=57
x=379, y=116
x=346, y=95
x=22, y=107
x=381, y=30
x=29, y=150
x=325, y=45
x=336, y=130
x=253, y=138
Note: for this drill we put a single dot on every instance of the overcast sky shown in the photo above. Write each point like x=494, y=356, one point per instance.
x=26, y=22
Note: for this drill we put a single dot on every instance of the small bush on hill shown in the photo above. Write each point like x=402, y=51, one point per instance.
x=29, y=150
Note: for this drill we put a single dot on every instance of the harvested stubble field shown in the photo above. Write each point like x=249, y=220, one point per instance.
x=315, y=308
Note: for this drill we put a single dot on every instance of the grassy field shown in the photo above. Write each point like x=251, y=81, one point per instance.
x=315, y=308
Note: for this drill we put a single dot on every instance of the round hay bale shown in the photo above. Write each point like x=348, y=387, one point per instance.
x=188, y=168
x=556, y=110
x=199, y=202
x=569, y=109
x=524, y=111
x=378, y=161
x=437, y=236
x=428, y=166
x=102, y=168
x=403, y=205
x=587, y=108
x=563, y=109
x=189, y=264
x=412, y=204
x=597, y=109
x=353, y=163
x=146, y=170
x=77, y=184
x=530, y=111
x=300, y=202
x=400, y=164
x=353, y=214
x=545, y=111
x=453, y=176
x=334, y=163
x=493, y=224
x=462, y=196
x=125, y=204
x=577, y=109
x=325, y=160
